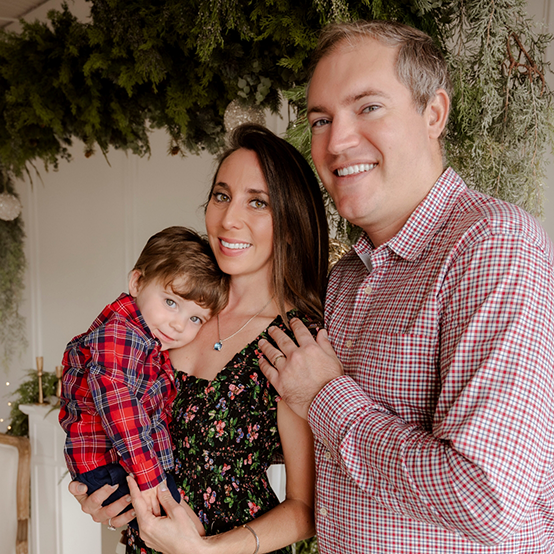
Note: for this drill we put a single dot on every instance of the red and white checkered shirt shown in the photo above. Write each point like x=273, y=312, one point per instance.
x=439, y=438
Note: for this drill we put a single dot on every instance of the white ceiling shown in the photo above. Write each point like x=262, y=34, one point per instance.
x=12, y=10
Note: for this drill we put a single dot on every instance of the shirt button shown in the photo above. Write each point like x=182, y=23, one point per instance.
x=348, y=344
x=327, y=455
x=368, y=290
x=323, y=512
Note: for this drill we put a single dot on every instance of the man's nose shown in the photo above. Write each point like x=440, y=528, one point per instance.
x=343, y=135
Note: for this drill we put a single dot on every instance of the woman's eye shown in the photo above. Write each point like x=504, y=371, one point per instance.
x=258, y=204
x=220, y=197
x=170, y=303
x=196, y=319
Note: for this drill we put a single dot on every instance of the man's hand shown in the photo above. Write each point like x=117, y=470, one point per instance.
x=299, y=372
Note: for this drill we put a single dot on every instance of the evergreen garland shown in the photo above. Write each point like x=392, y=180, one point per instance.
x=12, y=268
x=501, y=121
x=143, y=64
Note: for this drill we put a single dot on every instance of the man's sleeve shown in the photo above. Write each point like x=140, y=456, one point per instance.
x=480, y=469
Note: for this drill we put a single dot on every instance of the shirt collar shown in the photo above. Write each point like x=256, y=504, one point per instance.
x=124, y=305
x=424, y=222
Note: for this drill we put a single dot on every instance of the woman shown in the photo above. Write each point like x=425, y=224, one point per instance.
x=266, y=224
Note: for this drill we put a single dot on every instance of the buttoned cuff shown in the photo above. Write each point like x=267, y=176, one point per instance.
x=147, y=471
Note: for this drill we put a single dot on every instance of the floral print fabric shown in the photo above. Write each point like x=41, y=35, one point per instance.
x=225, y=437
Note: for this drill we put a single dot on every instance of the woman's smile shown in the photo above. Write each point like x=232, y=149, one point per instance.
x=235, y=245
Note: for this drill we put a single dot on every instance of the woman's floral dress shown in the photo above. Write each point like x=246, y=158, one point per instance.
x=225, y=437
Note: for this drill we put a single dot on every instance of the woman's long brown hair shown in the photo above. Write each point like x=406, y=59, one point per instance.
x=300, y=230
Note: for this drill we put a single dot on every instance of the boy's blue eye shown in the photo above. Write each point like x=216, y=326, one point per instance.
x=196, y=319
x=170, y=303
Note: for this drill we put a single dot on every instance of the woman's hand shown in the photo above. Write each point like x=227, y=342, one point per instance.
x=174, y=533
x=92, y=504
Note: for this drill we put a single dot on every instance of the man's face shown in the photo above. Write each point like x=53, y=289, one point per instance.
x=376, y=155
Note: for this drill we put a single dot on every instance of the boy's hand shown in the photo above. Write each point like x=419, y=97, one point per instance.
x=150, y=497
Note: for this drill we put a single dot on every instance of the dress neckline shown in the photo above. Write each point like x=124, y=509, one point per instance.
x=182, y=375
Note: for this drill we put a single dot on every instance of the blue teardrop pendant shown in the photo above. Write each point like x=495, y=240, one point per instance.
x=218, y=346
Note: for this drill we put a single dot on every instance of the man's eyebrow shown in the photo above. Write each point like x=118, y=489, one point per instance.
x=364, y=94
x=352, y=98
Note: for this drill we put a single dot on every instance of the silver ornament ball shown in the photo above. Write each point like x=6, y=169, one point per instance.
x=10, y=206
x=237, y=113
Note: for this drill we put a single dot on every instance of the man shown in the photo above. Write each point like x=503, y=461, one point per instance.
x=434, y=420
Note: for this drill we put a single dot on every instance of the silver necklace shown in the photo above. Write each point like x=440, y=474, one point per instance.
x=219, y=344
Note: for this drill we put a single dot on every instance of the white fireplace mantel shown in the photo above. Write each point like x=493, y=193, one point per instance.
x=58, y=526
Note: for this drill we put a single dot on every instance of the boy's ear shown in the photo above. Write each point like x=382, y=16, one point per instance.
x=134, y=285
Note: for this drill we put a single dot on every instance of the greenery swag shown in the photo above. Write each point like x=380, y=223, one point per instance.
x=144, y=64
x=12, y=268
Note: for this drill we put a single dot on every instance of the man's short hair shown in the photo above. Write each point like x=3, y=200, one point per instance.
x=420, y=65
x=183, y=261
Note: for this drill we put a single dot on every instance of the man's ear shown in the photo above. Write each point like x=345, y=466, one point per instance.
x=437, y=113
x=134, y=282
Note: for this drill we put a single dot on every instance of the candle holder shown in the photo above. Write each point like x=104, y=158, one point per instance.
x=40, y=367
x=59, y=373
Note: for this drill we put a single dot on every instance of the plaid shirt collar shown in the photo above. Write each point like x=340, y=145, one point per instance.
x=124, y=305
x=427, y=219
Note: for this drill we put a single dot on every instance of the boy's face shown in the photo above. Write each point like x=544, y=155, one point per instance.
x=173, y=320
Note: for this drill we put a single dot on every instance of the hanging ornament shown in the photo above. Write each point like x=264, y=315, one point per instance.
x=238, y=113
x=10, y=206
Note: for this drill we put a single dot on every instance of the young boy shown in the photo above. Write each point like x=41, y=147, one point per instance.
x=118, y=383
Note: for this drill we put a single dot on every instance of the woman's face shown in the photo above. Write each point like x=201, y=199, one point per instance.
x=239, y=221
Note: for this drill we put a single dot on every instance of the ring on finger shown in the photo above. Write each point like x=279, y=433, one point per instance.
x=277, y=358
x=110, y=526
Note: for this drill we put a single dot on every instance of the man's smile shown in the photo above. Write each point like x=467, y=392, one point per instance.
x=354, y=169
